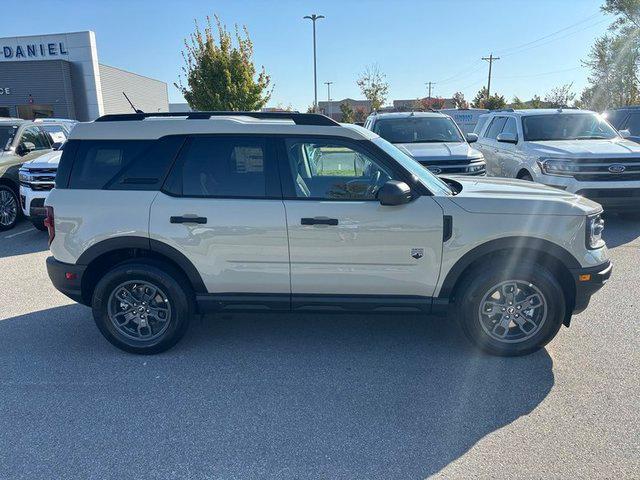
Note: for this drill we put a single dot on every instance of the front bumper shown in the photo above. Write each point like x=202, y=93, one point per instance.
x=67, y=278
x=612, y=195
x=32, y=203
x=588, y=281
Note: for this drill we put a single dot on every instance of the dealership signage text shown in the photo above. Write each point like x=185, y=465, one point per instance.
x=5, y=91
x=34, y=50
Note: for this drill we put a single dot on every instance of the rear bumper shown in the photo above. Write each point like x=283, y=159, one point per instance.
x=67, y=278
x=588, y=281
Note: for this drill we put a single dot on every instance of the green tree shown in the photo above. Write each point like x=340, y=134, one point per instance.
x=459, y=101
x=517, y=103
x=614, y=60
x=494, y=102
x=479, y=99
x=373, y=86
x=561, y=96
x=348, y=115
x=220, y=75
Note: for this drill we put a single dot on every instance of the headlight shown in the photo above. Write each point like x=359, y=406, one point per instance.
x=23, y=175
x=479, y=167
x=595, y=226
x=556, y=166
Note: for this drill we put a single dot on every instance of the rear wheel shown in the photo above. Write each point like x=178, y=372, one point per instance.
x=507, y=310
x=141, y=307
x=9, y=208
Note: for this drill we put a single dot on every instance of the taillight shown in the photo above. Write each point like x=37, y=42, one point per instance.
x=50, y=224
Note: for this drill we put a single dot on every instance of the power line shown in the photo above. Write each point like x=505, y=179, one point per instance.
x=539, y=74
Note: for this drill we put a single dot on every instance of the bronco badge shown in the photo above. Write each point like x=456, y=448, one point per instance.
x=417, y=253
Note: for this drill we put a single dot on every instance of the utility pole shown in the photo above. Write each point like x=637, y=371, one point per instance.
x=313, y=18
x=490, y=59
x=328, y=84
x=430, y=84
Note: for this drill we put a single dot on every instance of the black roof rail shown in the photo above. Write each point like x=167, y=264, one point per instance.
x=297, y=117
x=502, y=110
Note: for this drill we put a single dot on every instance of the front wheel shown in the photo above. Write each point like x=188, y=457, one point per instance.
x=141, y=307
x=510, y=310
x=9, y=208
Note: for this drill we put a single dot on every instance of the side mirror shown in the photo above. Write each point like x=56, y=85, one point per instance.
x=472, y=137
x=57, y=145
x=394, y=192
x=506, y=137
x=25, y=147
x=624, y=133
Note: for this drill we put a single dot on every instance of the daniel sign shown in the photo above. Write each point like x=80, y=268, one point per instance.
x=34, y=50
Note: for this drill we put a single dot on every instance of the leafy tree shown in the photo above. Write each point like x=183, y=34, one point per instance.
x=220, y=75
x=348, y=115
x=360, y=114
x=614, y=60
x=459, y=101
x=560, y=96
x=535, y=102
x=517, y=103
x=373, y=86
x=425, y=104
x=494, y=102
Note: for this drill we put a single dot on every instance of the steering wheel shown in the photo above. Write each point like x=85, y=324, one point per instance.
x=373, y=186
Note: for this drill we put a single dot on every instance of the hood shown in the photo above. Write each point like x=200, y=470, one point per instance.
x=585, y=148
x=48, y=160
x=518, y=197
x=439, y=151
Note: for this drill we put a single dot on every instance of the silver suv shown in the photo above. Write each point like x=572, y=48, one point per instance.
x=432, y=138
x=155, y=217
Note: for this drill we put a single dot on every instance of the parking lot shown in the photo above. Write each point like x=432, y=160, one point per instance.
x=314, y=396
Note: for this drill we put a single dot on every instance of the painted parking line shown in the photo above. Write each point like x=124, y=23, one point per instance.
x=20, y=233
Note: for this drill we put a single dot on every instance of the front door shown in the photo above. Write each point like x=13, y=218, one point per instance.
x=222, y=208
x=344, y=245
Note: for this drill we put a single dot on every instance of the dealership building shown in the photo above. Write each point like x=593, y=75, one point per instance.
x=60, y=76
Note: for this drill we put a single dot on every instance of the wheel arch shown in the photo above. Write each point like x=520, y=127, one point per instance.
x=549, y=254
x=10, y=183
x=105, y=254
x=523, y=170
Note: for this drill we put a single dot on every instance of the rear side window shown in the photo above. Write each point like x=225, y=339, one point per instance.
x=122, y=164
x=496, y=127
x=221, y=166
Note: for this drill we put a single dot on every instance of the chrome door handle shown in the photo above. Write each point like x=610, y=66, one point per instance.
x=188, y=219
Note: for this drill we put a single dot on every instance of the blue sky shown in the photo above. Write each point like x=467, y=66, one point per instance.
x=413, y=42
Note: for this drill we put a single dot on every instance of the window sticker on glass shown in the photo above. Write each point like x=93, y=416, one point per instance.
x=248, y=159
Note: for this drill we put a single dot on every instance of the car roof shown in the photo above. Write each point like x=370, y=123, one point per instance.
x=405, y=114
x=539, y=111
x=150, y=127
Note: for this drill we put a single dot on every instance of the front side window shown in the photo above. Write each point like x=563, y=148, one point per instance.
x=333, y=170
x=35, y=136
x=7, y=133
x=418, y=129
x=566, y=126
x=510, y=126
x=495, y=128
x=57, y=133
x=221, y=167
x=633, y=124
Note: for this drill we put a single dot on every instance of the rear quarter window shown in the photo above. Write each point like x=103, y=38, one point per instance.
x=120, y=164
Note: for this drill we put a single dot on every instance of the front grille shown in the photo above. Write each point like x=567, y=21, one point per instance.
x=597, y=169
x=39, y=179
x=596, y=193
x=454, y=167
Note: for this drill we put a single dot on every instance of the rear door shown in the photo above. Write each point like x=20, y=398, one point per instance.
x=490, y=147
x=222, y=208
x=344, y=245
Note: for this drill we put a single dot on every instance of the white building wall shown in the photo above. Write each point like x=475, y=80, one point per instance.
x=147, y=94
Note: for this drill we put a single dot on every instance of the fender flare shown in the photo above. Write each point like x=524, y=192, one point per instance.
x=512, y=244
x=144, y=243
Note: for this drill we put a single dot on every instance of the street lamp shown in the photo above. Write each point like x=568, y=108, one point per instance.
x=328, y=84
x=313, y=18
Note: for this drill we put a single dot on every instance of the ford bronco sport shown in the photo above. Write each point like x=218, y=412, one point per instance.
x=155, y=217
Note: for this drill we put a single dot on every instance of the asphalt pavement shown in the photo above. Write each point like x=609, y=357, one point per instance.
x=314, y=396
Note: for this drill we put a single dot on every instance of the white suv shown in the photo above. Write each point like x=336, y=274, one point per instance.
x=575, y=150
x=157, y=216
x=432, y=138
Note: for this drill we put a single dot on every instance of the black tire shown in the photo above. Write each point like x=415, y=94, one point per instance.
x=16, y=211
x=172, y=285
x=481, y=280
x=39, y=224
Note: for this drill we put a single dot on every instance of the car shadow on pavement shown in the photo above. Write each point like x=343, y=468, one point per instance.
x=255, y=396
x=22, y=239
x=620, y=230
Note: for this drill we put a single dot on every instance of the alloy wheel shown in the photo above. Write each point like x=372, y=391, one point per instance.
x=8, y=208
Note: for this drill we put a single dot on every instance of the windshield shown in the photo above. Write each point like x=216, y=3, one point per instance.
x=7, y=132
x=428, y=179
x=566, y=126
x=418, y=130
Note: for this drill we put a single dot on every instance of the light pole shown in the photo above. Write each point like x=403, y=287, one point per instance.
x=328, y=84
x=313, y=18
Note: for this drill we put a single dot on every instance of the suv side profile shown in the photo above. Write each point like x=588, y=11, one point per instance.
x=158, y=216
x=432, y=138
x=574, y=150
x=20, y=142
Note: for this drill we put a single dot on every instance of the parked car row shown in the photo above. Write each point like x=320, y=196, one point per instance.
x=574, y=150
x=158, y=216
x=22, y=141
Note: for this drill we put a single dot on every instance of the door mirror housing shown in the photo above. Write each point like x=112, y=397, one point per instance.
x=506, y=137
x=624, y=133
x=471, y=137
x=25, y=147
x=394, y=192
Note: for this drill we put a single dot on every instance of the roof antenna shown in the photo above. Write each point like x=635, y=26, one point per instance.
x=131, y=103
